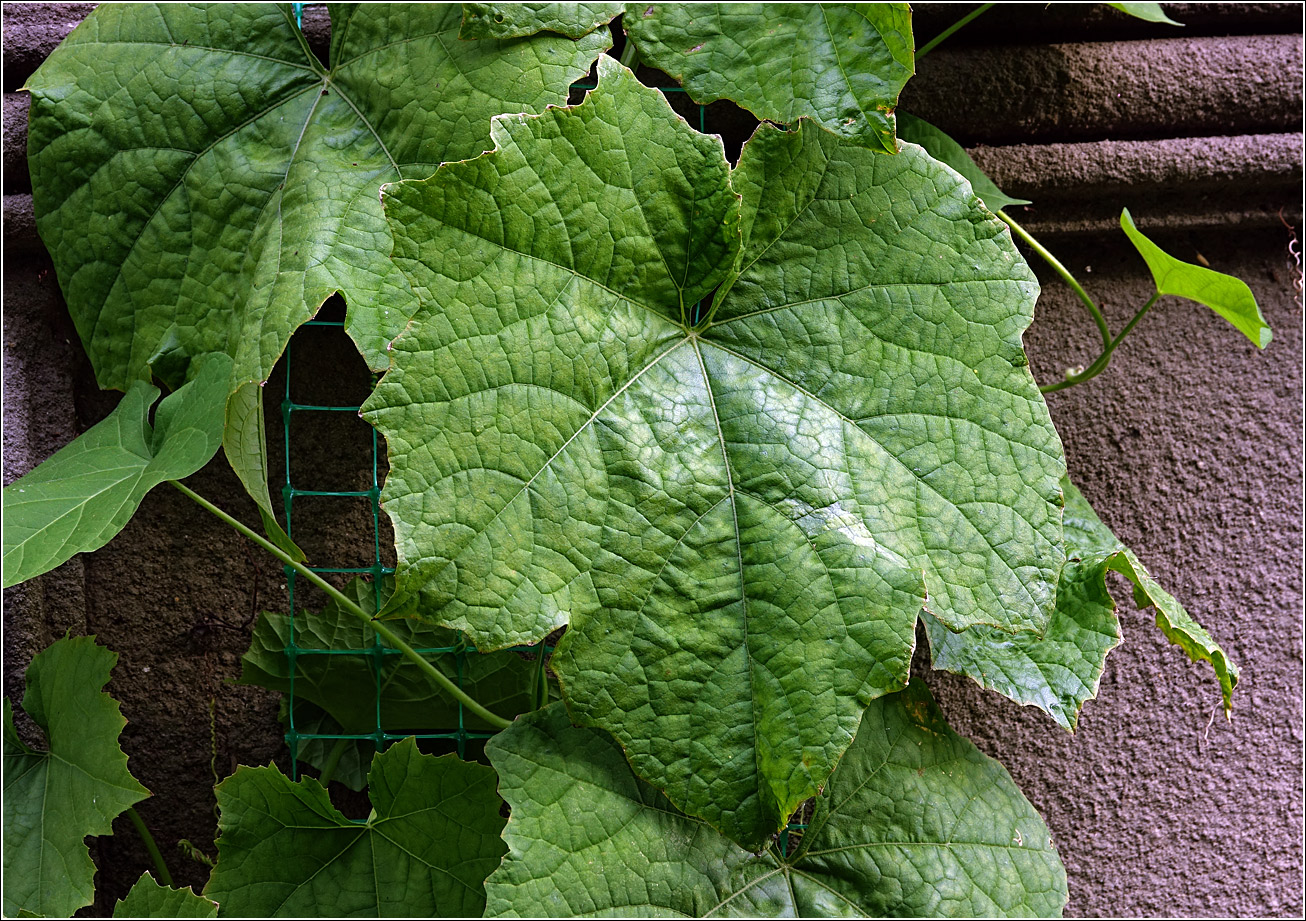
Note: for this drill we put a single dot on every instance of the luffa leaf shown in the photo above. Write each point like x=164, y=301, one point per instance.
x=518, y=20
x=433, y=837
x=943, y=148
x=1228, y=296
x=915, y=822
x=149, y=899
x=840, y=64
x=203, y=183
x=739, y=517
x=53, y=799
x=79, y=498
x=1151, y=12
x=1060, y=671
x=347, y=688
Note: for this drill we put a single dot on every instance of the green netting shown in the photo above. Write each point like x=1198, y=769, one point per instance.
x=377, y=652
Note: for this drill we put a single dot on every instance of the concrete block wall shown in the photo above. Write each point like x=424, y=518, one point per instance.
x=1189, y=446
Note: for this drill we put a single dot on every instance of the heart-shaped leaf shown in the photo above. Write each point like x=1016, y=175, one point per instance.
x=916, y=822
x=149, y=899
x=53, y=799
x=739, y=508
x=433, y=837
x=1228, y=296
x=842, y=65
x=204, y=183
x=1060, y=671
x=79, y=498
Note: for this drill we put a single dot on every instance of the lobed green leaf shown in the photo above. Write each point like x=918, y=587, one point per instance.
x=204, y=183
x=842, y=65
x=149, y=899
x=519, y=20
x=1228, y=296
x=79, y=498
x=53, y=799
x=1060, y=671
x=736, y=429
x=432, y=838
x=915, y=822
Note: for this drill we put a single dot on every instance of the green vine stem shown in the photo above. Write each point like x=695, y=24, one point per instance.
x=629, y=56
x=344, y=601
x=1061, y=270
x=161, y=868
x=1098, y=366
x=333, y=761
x=934, y=42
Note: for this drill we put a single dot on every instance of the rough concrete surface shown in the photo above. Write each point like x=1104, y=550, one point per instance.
x=1189, y=446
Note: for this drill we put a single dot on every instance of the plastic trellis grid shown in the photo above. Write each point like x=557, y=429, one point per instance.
x=378, y=651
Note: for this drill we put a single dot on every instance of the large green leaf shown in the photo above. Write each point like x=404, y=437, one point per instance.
x=149, y=899
x=943, y=148
x=915, y=822
x=518, y=20
x=740, y=517
x=85, y=493
x=1060, y=671
x=1228, y=296
x=339, y=674
x=432, y=838
x=203, y=183
x=53, y=799
x=840, y=64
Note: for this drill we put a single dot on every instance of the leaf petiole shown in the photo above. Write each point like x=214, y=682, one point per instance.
x=938, y=39
x=333, y=761
x=1098, y=366
x=1061, y=270
x=147, y=839
x=347, y=604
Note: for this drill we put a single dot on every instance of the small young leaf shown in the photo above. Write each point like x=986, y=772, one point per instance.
x=149, y=899
x=432, y=839
x=1060, y=671
x=1228, y=296
x=53, y=799
x=842, y=65
x=346, y=686
x=739, y=510
x=1150, y=12
x=83, y=495
x=941, y=147
x=519, y=20
x=915, y=822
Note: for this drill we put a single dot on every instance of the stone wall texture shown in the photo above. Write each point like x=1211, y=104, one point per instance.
x=1189, y=447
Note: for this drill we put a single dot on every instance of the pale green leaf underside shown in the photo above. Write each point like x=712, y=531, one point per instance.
x=915, y=822
x=149, y=899
x=203, y=184
x=1059, y=672
x=842, y=65
x=741, y=519
x=943, y=148
x=85, y=493
x=54, y=799
x=518, y=20
x=1228, y=296
x=347, y=687
x=285, y=851
x=1151, y=12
